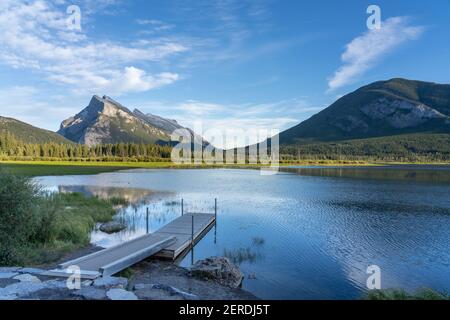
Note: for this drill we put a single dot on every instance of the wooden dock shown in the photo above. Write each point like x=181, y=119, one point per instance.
x=185, y=233
x=169, y=242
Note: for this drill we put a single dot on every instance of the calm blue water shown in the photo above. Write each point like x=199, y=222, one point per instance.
x=306, y=233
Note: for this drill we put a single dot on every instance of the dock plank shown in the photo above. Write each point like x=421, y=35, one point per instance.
x=182, y=229
x=168, y=242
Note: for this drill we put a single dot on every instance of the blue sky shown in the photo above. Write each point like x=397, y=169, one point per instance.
x=230, y=63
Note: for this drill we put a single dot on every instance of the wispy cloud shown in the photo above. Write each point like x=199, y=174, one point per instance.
x=363, y=52
x=31, y=105
x=154, y=26
x=35, y=36
x=235, y=118
x=198, y=108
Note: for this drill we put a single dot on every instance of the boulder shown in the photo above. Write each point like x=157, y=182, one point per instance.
x=21, y=289
x=112, y=227
x=6, y=282
x=121, y=294
x=55, y=284
x=90, y=293
x=111, y=282
x=27, y=278
x=219, y=269
x=8, y=297
x=162, y=292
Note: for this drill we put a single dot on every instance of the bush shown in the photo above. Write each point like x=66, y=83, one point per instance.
x=18, y=214
x=38, y=227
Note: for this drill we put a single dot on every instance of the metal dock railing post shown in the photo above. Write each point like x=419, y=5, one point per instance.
x=147, y=220
x=215, y=220
x=192, y=241
x=215, y=209
x=182, y=207
x=192, y=231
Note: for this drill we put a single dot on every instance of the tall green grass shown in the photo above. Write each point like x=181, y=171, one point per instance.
x=399, y=294
x=38, y=227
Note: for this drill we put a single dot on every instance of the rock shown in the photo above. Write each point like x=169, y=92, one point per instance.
x=21, y=289
x=8, y=275
x=219, y=269
x=8, y=297
x=34, y=271
x=90, y=293
x=102, y=120
x=51, y=294
x=162, y=292
x=120, y=294
x=111, y=282
x=112, y=227
x=27, y=278
x=7, y=282
x=55, y=284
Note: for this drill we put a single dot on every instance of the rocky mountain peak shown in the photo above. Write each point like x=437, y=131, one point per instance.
x=383, y=108
x=167, y=125
x=105, y=120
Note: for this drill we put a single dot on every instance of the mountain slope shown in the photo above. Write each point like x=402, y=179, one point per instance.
x=384, y=108
x=27, y=133
x=107, y=121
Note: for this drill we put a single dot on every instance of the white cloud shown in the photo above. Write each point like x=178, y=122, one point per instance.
x=363, y=52
x=244, y=131
x=136, y=80
x=40, y=109
x=203, y=117
x=154, y=26
x=35, y=36
x=198, y=108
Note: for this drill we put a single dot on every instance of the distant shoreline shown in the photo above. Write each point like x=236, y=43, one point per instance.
x=56, y=168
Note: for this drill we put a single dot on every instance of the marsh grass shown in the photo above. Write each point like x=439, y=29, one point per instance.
x=399, y=294
x=38, y=227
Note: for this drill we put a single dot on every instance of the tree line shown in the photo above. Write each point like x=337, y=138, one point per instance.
x=412, y=148
x=13, y=149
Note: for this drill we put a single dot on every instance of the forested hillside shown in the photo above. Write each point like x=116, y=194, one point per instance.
x=12, y=148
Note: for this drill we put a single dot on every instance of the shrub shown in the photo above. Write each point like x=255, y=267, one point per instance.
x=38, y=227
x=18, y=216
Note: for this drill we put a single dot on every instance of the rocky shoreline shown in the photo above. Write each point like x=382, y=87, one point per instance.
x=215, y=278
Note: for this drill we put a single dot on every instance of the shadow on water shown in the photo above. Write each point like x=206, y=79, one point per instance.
x=249, y=255
x=434, y=174
x=241, y=255
x=386, y=207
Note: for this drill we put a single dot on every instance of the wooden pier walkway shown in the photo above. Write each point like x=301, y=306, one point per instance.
x=185, y=233
x=169, y=242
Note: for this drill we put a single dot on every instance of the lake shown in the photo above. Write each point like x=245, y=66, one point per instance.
x=305, y=233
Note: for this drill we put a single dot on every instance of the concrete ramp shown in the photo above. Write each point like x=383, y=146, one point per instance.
x=112, y=260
